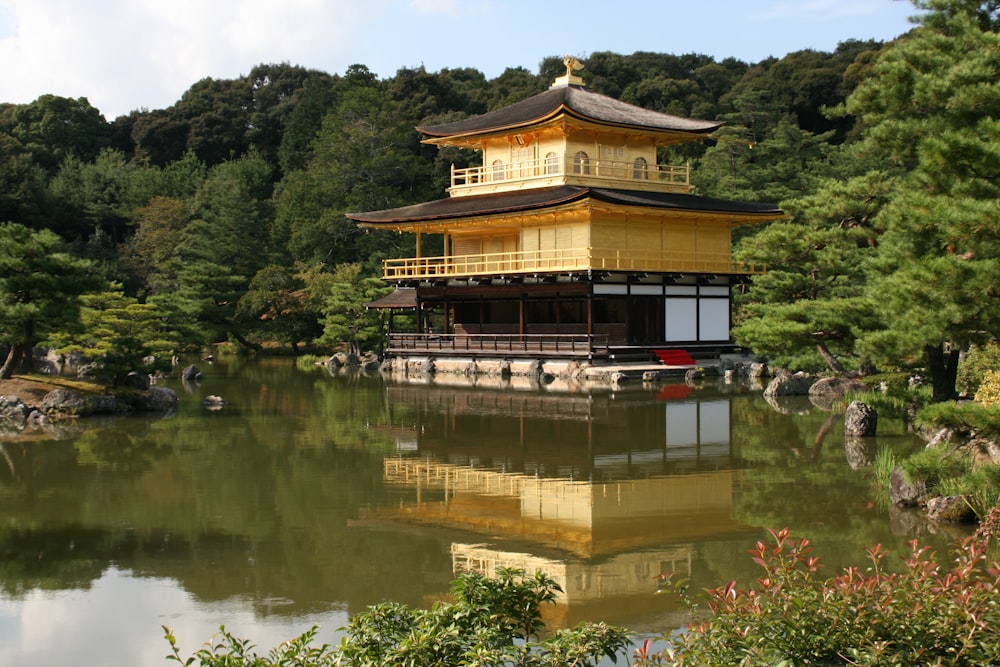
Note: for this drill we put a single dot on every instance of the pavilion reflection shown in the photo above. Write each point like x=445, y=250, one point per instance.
x=601, y=492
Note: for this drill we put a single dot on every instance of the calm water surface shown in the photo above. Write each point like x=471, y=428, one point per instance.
x=310, y=497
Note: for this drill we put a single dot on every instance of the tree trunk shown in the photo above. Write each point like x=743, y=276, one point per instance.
x=256, y=347
x=831, y=361
x=13, y=362
x=943, y=367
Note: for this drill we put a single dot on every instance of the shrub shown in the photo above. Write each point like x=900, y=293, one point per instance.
x=924, y=614
x=966, y=417
x=933, y=465
x=980, y=361
x=988, y=393
x=980, y=487
x=492, y=622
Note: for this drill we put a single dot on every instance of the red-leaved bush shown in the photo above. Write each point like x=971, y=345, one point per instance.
x=925, y=613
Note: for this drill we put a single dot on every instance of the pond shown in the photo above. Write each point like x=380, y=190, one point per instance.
x=311, y=496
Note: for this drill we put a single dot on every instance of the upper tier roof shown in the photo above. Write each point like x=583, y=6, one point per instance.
x=540, y=198
x=575, y=101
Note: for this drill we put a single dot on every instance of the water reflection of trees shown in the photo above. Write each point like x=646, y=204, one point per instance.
x=282, y=499
x=259, y=501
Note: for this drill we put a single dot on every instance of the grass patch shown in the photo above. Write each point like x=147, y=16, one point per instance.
x=308, y=362
x=936, y=465
x=885, y=463
x=980, y=487
x=60, y=382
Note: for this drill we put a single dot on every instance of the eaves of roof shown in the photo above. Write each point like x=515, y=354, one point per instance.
x=543, y=198
x=577, y=101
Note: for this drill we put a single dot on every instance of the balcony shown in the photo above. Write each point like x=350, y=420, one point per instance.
x=563, y=261
x=577, y=171
x=523, y=345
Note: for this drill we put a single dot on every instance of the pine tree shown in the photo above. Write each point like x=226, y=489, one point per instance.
x=932, y=107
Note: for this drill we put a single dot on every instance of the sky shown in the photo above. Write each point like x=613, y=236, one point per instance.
x=124, y=55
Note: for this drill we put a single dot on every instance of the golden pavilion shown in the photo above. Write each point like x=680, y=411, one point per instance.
x=570, y=240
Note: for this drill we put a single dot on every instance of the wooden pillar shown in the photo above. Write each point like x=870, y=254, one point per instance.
x=520, y=316
x=629, y=334
x=419, y=254
x=590, y=312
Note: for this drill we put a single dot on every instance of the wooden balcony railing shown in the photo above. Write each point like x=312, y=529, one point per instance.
x=564, y=345
x=558, y=261
x=674, y=177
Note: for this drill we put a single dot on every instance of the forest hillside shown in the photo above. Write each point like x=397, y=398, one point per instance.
x=222, y=217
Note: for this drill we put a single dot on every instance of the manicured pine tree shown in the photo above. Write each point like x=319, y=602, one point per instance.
x=932, y=107
x=40, y=289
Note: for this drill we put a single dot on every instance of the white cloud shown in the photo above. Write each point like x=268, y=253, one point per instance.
x=127, y=54
x=123, y=54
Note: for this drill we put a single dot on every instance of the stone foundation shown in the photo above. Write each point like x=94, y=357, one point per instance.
x=484, y=371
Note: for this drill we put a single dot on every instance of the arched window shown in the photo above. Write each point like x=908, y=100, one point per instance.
x=498, y=171
x=581, y=163
x=640, y=169
x=551, y=163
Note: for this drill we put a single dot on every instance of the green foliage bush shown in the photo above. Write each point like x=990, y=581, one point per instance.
x=492, y=622
x=980, y=361
x=926, y=613
x=988, y=393
x=966, y=417
x=980, y=487
x=936, y=464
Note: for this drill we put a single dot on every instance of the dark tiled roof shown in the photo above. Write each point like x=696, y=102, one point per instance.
x=401, y=297
x=538, y=198
x=576, y=100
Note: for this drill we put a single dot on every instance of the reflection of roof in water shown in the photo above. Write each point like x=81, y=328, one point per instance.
x=569, y=515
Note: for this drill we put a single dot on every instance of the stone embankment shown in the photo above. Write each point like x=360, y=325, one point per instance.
x=444, y=370
x=861, y=423
x=62, y=405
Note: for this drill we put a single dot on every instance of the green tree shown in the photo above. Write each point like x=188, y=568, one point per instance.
x=217, y=253
x=287, y=302
x=160, y=224
x=811, y=305
x=40, y=289
x=276, y=91
x=346, y=320
x=23, y=191
x=95, y=199
x=318, y=97
x=119, y=332
x=160, y=137
x=515, y=84
x=931, y=107
x=366, y=157
x=782, y=163
x=53, y=128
